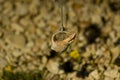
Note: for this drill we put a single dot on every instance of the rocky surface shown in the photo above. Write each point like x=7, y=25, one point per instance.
x=26, y=28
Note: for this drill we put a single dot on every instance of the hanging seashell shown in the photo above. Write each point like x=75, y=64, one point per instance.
x=61, y=40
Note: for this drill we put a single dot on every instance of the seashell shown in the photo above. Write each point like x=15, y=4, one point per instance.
x=61, y=40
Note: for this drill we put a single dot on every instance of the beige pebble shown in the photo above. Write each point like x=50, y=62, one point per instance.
x=17, y=27
x=30, y=44
x=71, y=75
x=115, y=52
x=41, y=24
x=32, y=9
x=25, y=22
x=16, y=53
x=52, y=66
x=112, y=73
x=108, y=78
x=7, y=7
x=37, y=19
x=44, y=59
x=31, y=66
x=96, y=19
x=14, y=18
x=23, y=68
x=18, y=41
x=21, y=9
x=95, y=74
x=3, y=63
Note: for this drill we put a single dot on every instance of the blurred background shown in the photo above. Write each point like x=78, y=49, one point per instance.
x=26, y=28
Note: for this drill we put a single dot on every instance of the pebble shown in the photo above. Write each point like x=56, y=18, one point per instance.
x=44, y=60
x=95, y=75
x=96, y=19
x=14, y=19
x=32, y=9
x=71, y=76
x=31, y=67
x=7, y=7
x=30, y=44
x=115, y=52
x=23, y=68
x=21, y=9
x=43, y=46
x=17, y=27
x=3, y=63
x=16, y=53
x=99, y=53
x=41, y=24
x=52, y=66
x=18, y=41
x=112, y=73
x=24, y=21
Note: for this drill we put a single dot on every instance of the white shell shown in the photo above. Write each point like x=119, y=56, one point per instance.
x=61, y=45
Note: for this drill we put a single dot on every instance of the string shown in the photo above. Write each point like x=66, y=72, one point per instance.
x=62, y=19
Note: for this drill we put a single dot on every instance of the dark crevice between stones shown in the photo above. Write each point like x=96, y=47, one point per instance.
x=105, y=38
x=53, y=54
x=92, y=32
x=117, y=61
x=82, y=49
x=67, y=67
x=114, y=6
x=104, y=21
x=83, y=72
x=117, y=42
x=91, y=58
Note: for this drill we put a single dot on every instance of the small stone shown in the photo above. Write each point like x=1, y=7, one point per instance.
x=36, y=49
x=31, y=67
x=43, y=46
x=32, y=9
x=14, y=18
x=44, y=59
x=30, y=44
x=39, y=32
x=7, y=7
x=25, y=22
x=23, y=68
x=52, y=66
x=112, y=36
x=96, y=19
x=18, y=41
x=16, y=53
x=99, y=53
x=115, y=52
x=3, y=63
x=112, y=73
x=94, y=74
x=72, y=75
x=21, y=9
x=17, y=27
x=41, y=24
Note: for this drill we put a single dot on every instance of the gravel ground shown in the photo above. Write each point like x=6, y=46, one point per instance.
x=26, y=28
